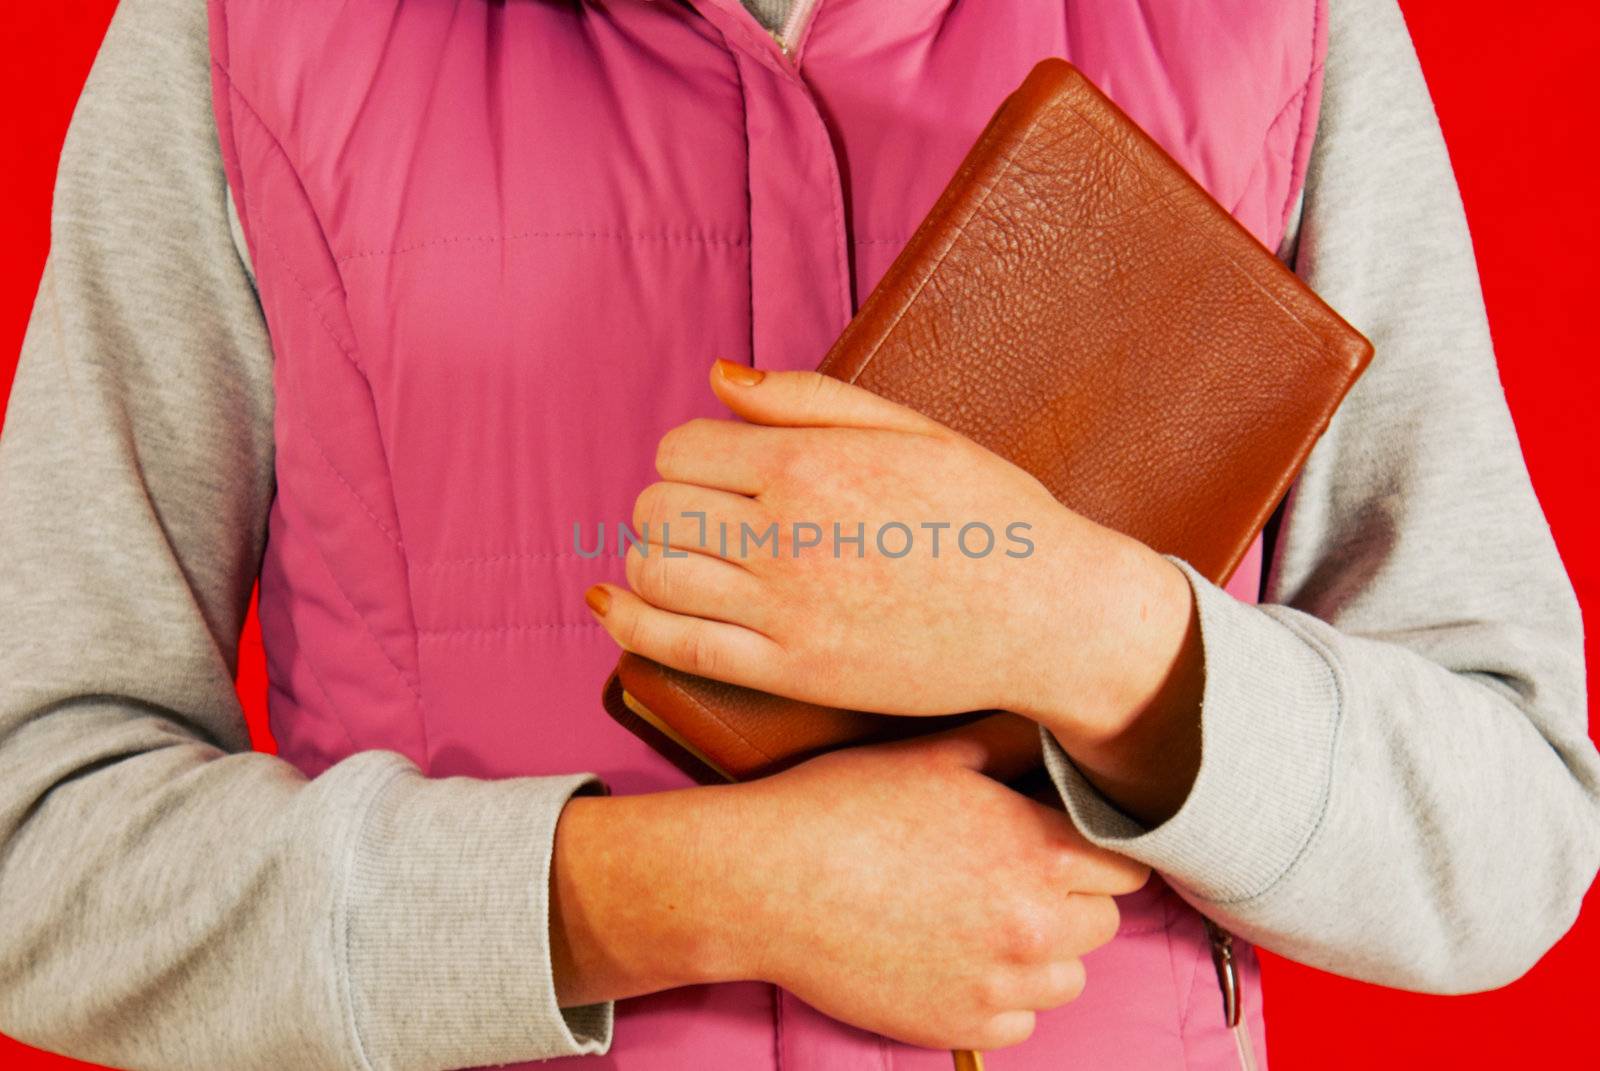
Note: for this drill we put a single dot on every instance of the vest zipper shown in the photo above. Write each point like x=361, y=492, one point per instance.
x=1221, y=940
x=1232, y=993
x=793, y=26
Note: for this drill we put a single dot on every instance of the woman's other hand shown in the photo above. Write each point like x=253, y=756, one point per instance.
x=897, y=887
x=971, y=587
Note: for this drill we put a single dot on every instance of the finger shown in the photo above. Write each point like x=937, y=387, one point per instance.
x=1005, y=746
x=811, y=400
x=1095, y=919
x=695, y=645
x=1002, y=746
x=1007, y=1029
x=724, y=454
x=1085, y=868
x=696, y=585
x=1051, y=985
x=704, y=520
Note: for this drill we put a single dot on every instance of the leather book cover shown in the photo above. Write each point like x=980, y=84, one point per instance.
x=1078, y=304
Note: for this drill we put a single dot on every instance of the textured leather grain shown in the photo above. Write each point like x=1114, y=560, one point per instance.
x=1078, y=304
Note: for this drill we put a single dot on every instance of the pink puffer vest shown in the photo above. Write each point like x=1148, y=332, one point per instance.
x=498, y=244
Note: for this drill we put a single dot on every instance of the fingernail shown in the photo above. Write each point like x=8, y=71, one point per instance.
x=599, y=600
x=740, y=375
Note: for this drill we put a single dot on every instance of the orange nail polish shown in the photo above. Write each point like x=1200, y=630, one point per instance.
x=599, y=600
x=740, y=375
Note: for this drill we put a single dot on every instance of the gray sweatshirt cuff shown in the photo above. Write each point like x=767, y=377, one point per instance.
x=446, y=928
x=1268, y=718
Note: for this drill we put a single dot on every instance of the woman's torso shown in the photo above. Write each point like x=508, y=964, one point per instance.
x=497, y=246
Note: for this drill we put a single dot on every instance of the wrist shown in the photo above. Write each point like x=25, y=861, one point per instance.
x=639, y=895
x=1121, y=689
x=1106, y=620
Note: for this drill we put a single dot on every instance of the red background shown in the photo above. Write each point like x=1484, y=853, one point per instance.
x=1513, y=90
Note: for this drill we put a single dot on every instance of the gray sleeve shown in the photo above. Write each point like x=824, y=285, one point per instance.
x=168, y=898
x=1396, y=780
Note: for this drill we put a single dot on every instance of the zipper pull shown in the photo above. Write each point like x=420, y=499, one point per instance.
x=1227, y=971
x=1232, y=993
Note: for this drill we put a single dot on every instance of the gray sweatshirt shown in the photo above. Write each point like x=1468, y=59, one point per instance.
x=1396, y=781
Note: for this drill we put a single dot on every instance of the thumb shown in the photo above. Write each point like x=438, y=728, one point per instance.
x=1002, y=746
x=810, y=400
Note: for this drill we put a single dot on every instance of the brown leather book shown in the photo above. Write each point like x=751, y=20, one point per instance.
x=1078, y=304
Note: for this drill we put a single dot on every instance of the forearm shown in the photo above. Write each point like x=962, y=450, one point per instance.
x=1373, y=806
x=1365, y=809
x=257, y=920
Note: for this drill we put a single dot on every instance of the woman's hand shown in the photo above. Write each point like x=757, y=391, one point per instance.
x=969, y=588
x=894, y=887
